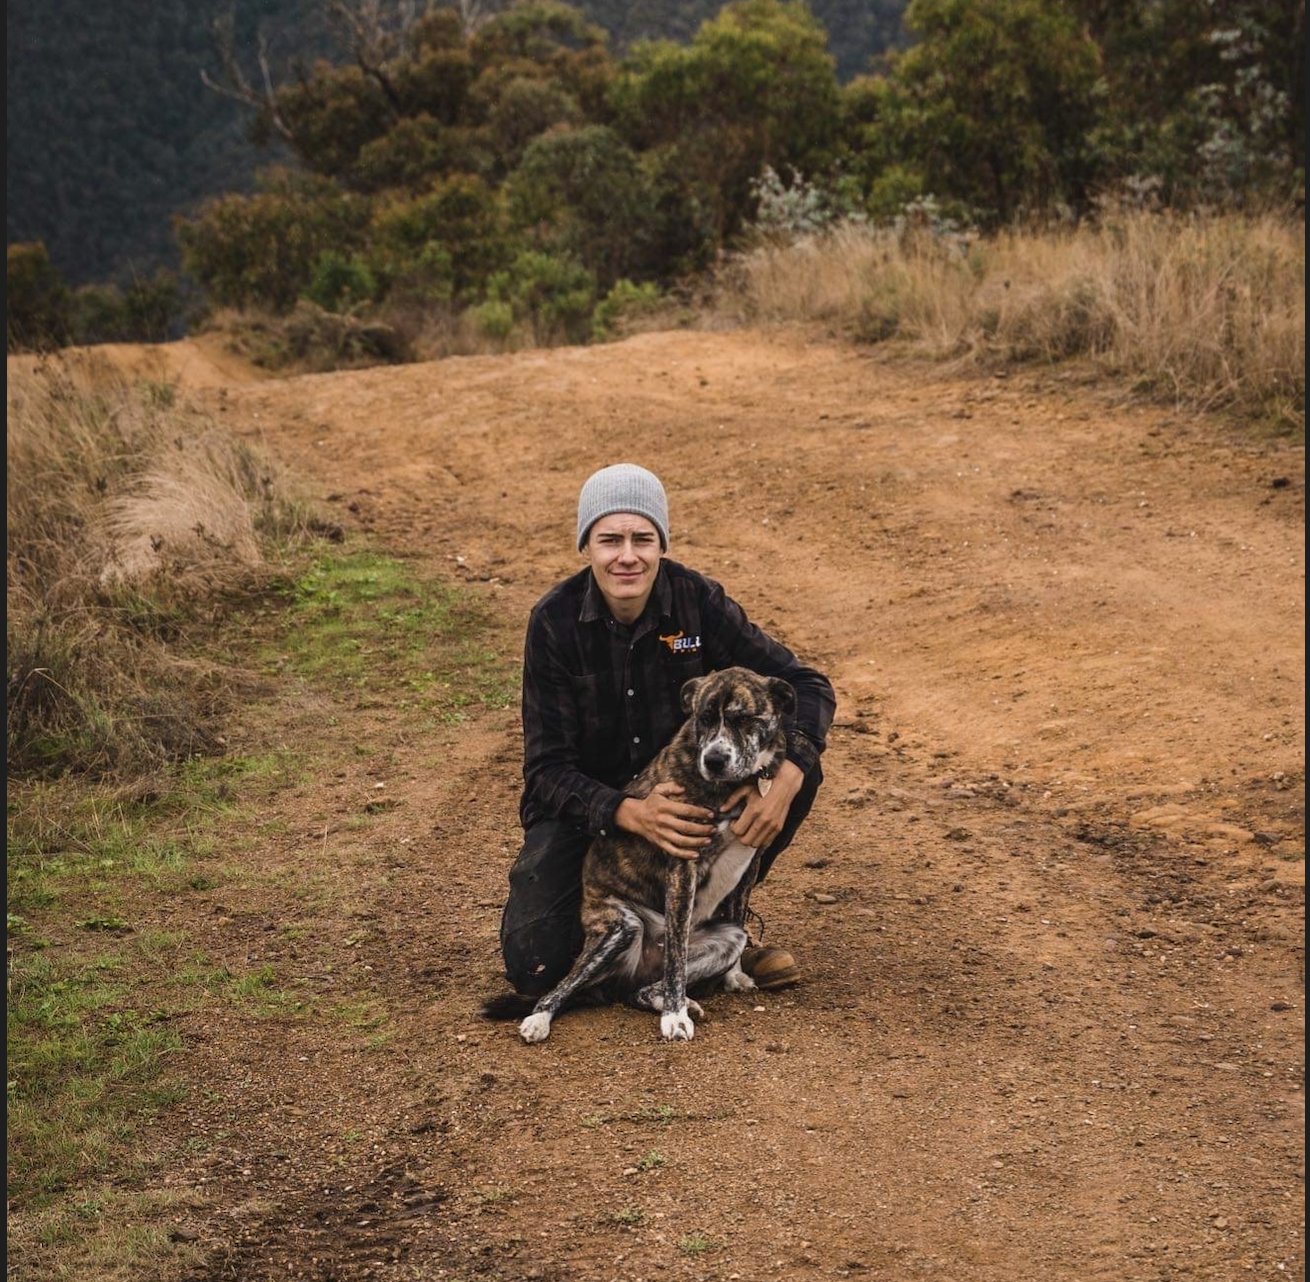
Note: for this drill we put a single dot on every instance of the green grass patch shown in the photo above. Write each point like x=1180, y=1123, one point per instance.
x=490, y=1196
x=258, y=992
x=93, y=985
x=361, y=1013
x=85, y=1069
x=368, y=621
x=84, y=846
x=114, y=1234
x=696, y=1244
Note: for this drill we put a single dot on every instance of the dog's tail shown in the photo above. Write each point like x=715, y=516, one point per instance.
x=517, y=1006
x=507, y=1006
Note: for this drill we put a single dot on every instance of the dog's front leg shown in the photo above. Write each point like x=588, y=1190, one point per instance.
x=605, y=941
x=680, y=895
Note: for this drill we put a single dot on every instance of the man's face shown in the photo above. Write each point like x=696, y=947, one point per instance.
x=624, y=553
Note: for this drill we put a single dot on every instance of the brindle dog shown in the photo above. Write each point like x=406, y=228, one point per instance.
x=650, y=918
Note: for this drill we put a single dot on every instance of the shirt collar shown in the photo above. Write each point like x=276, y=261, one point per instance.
x=593, y=600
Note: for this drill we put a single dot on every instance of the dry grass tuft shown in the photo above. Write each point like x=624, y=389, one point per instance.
x=129, y=518
x=196, y=505
x=1209, y=311
x=309, y=339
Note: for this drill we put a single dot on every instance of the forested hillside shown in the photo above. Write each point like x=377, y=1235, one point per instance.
x=516, y=172
x=110, y=130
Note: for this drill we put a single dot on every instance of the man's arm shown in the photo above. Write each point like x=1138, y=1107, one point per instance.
x=552, y=739
x=734, y=639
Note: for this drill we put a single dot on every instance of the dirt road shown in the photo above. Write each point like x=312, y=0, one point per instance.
x=1048, y=906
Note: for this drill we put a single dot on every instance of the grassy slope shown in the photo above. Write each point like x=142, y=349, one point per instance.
x=97, y=981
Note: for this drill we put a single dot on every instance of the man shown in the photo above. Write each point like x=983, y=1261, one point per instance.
x=606, y=656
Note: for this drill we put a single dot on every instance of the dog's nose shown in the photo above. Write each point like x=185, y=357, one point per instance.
x=715, y=761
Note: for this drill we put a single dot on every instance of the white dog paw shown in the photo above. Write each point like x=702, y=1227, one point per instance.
x=737, y=981
x=676, y=1026
x=536, y=1028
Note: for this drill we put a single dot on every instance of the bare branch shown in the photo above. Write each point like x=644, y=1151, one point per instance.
x=236, y=85
x=373, y=41
x=474, y=15
x=270, y=95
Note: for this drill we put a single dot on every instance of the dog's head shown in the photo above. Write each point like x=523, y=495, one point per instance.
x=736, y=718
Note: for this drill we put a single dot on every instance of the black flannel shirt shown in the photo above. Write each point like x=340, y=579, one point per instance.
x=600, y=699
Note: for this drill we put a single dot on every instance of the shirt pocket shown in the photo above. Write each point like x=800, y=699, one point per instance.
x=593, y=700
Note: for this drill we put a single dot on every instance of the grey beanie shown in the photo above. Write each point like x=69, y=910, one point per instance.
x=624, y=487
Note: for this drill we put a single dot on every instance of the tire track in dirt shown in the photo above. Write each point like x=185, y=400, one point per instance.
x=1053, y=1013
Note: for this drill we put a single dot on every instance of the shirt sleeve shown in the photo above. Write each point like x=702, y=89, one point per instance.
x=551, y=738
x=734, y=640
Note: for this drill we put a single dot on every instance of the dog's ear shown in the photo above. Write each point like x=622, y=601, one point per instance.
x=783, y=695
x=689, y=689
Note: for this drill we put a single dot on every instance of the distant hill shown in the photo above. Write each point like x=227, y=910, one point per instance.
x=857, y=29
x=109, y=130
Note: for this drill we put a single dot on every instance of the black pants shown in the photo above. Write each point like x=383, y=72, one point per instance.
x=541, y=928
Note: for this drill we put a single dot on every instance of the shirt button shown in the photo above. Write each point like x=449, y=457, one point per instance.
x=602, y=832
x=631, y=693
x=636, y=738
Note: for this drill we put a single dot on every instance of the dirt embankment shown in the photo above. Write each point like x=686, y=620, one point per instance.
x=1048, y=906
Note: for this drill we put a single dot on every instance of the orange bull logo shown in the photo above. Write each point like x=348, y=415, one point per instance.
x=680, y=643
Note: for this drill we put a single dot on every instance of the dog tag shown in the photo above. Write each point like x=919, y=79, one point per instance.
x=763, y=785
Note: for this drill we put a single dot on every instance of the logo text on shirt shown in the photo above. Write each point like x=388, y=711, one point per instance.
x=680, y=643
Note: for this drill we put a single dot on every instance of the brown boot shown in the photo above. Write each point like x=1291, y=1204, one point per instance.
x=770, y=967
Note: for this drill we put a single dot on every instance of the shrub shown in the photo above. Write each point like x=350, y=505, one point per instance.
x=525, y=108
x=755, y=86
x=582, y=193
x=311, y=339
x=146, y=311
x=623, y=305
x=409, y=155
x=793, y=209
x=331, y=113
x=445, y=242
x=43, y=313
x=339, y=282
x=553, y=295
x=37, y=304
x=992, y=105
x=494, y=318
x=261, y=250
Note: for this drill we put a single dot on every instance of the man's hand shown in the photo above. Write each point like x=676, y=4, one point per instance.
x=763, y=817
x=677, y=828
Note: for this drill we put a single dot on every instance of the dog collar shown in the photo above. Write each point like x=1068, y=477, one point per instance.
x=763, y=782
